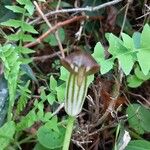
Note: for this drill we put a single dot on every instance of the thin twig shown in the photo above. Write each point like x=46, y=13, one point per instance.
x=57, y=35
x=112, y=103
x=125, y=15
x=140, y=96
x=45, y=57
x=107, y=112
x=146, y=14
x=79, y=143
x=79, y=33
x=54, y=28
x=42, y=14
x=50, y=26
x=111, y=125
x=57, y=110
x=85, y=9
x=148, y=7
x=59, y=44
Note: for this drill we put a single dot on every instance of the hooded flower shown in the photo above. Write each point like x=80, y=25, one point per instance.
x=80, y=65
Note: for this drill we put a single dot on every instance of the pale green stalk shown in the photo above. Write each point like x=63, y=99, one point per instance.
x=68, y=133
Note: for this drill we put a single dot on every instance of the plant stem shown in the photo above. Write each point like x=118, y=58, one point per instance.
x=68, y=133
x=27, y=139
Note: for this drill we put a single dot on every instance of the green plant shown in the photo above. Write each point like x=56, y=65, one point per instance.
x=127, y=51
x=33, y=103
x=13, y=57
x=80, y=65
x=132, y=53
x=25, y=94
x=138, y=118
x=11, y=71
x=137, y=78
x=138, y=144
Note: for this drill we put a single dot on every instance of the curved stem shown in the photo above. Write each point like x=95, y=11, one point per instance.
x=68, y=133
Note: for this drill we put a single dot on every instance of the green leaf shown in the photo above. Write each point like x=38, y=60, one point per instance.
x=98, y=53
x=51, y=98
x=123, y=51
x=144, y=53
x=133, y=118
x=14, y=37
x=25, y=61
x=40, y=115
x=53, y=83
x=143, y=58
x=50, y=138
x=27, y=121
x=53, y=124
x=138, y=145
x=43, y=95
x=27, y=38
x=126, y=62
x=90, y=79
x=27, y=27
x=47, y=116
x=11, y=63
x=106, y=65
x=51, y=39
x=16, y=9
x=99, y=56
x=139, y=118
x=24, y=50
x=127, y=40
x=140, y=74
x=29, y=72
x=137, y=39
x=28, y=5
x=137, y=79
x=7, y=132
x=114, y=45
x=19, y=36
x=24, y=95
x=145, y=116
x=145, y=36
x=38, y=146
x=12, y=23
x=64, y=74
x=61, y=92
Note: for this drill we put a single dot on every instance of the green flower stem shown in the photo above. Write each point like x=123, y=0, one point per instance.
x=68, y=132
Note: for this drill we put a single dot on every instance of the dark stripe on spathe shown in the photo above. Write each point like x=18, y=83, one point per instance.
x=67, y=94
x=72, y=90
x=85, y=88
